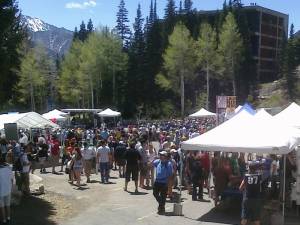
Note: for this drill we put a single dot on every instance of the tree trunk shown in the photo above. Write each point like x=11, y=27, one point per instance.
x=182, y=94
x=233, y=77
x=32, y=98
x=207, y=86
x=114, y=86
x=92, y=92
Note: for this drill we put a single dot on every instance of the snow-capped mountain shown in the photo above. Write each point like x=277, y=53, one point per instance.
x=56, y=40
x=35, y=24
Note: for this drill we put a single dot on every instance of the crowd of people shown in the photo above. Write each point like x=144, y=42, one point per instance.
x=148, y=154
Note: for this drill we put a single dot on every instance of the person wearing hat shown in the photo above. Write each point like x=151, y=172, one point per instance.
x=164, y=170
x=251, y=187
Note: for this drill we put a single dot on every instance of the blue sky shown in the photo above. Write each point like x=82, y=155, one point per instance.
x=70, y=13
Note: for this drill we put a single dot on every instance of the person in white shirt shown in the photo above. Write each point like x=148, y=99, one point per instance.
x=88, y=154
x=23, y=139
x=6, y=178
x=104, y=159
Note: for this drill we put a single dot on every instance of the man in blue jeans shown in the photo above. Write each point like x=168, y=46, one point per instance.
x=164, y=170
x=103, y=158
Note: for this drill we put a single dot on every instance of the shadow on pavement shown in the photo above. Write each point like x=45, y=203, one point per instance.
x=220, y=216
x=137, y=193
x=33, y=211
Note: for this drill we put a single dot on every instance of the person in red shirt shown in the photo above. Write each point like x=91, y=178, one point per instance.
x=206, y=168
x=55, y=152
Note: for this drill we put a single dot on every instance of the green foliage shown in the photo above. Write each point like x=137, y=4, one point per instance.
x=11, y=38
x=231, y=50
x=122, y=27
x=179, y=60
x=89, y=74
x=34, y=75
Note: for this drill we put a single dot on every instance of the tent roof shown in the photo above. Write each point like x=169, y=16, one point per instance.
x=26, y=120
x=55, y=114
x=245, y=133
x=109, y=113
x=263, y=114
x=290, y=115
x=202, y=113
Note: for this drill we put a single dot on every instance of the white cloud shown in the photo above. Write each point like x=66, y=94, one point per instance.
x=84, y=5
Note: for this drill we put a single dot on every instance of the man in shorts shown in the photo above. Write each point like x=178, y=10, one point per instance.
x=6, y=178
x=132, y=157
x=251, y=186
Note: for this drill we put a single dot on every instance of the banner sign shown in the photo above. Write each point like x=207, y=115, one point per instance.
x=225, y=107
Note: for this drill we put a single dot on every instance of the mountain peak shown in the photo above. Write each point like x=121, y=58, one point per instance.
x=34, y=24
x=56, y=40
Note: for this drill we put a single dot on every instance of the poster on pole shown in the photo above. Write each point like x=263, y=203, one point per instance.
x=225, y=106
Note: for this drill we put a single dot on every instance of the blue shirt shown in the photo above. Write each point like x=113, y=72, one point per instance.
x=163, y=171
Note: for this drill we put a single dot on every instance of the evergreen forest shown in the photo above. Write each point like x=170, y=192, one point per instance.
x=151, y=67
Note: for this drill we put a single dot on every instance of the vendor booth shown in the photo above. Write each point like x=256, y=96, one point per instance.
x=247, y=133
x=290, y=115
x=26, y=120
x=55, y=115
x=202, y=113
x=109, y=113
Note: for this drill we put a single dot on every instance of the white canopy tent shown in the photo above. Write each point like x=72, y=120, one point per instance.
x=55, y=114
x=202, y=113
x=247, y=133
x=109, y=113
x=263, y=114
x=26, y=120
x=290, y=115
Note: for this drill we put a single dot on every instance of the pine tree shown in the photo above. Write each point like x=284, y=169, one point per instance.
x=75, y=34
x=90, y=27
x=151, y=14
x=170, y=10
x=137, y=60
x=82, y=34
x=180, y=7
x=155, y=11
x=188, y=5
x=122, y=27
x=11, y=39
x=292, y=31
x=170, y=20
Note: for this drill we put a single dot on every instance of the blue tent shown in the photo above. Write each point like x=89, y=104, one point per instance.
x=247, y=107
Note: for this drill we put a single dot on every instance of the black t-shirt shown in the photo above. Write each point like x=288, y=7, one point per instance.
x=253, y=186
x=119, y=151
x=132, y=157
x=43, y=152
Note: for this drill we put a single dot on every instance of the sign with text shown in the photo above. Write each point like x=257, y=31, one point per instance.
x=225, y=107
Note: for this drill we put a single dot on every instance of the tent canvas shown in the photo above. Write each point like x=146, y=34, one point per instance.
x=202, y=113
x=26, y=120
x=245, y=133
x=55, y=114
x=109, y=113
x=263, y=114
x=290, y=115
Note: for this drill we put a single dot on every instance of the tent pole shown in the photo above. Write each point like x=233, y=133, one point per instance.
x=284, y=185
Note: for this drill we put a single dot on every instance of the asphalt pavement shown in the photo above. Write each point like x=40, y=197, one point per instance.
x=97, y=203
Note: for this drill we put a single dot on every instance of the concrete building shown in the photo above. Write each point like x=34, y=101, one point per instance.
x=269, y=30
